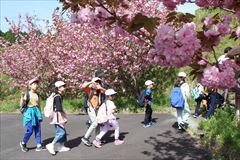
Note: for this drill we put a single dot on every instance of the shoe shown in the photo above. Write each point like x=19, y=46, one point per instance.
x=97, y=144
x=86, y=142
x=23, y=147
x=147, y=125
x=182, y=126
x=152, y=123
x=61, y=148
x=50, y=148
x=118, y=142
x=195, y=116
x=40, y=148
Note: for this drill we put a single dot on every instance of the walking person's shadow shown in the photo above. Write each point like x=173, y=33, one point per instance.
x=70, y=143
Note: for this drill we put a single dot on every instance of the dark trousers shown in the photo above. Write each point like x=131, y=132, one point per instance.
x=148, y=114
x=199, y=100
x=212, y=105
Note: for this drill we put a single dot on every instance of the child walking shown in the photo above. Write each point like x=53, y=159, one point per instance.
x=32, y=117
x=148, y=104
x=108, y=108
x=59, y=120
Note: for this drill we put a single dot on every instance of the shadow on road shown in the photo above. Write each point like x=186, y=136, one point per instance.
x=74, y=142
x=169, y=146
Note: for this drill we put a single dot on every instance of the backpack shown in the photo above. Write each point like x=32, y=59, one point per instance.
x=176, y=98
x=24, y=106
x=87, y=98
x=49, y=108
x=141, y=98
x=195, y=94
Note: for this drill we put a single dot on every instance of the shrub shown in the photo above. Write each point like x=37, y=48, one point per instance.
x=222, y=134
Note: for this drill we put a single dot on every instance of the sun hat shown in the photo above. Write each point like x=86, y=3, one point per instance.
x=96, y=79
x=59, y=84
x=110, y=92
x=33, y=80
x=182, y=74
x=99, y=73
x=148, y=82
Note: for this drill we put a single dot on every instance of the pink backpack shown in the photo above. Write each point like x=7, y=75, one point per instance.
x=48, y=109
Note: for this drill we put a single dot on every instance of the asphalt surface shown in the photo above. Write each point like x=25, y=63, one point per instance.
x=161, y=141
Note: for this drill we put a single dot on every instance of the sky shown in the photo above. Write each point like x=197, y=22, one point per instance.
x=43, y=9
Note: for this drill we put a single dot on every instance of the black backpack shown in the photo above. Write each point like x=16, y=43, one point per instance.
x=141, y=98
x=24, y=106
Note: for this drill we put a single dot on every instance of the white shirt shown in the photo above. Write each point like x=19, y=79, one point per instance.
x=185, y=91
x=110, y=109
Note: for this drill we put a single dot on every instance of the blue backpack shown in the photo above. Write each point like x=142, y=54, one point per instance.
x=176, y=97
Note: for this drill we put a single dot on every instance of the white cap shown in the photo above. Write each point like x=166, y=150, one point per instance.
x=148, y=82
x=59, y=84
x=110, y=92
x=182, y=74
x=33, y=80
x=96, y=79
x=222, y=58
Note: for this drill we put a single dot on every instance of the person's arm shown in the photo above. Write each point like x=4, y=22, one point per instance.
x=58, y=104
x=39, y=104
x=23, y=99
x=86, y=84
x=101, y=89
x=187, y=90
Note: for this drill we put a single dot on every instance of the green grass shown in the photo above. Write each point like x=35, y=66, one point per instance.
x=222, y=134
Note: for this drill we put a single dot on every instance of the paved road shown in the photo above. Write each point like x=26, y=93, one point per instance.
x=161, y=141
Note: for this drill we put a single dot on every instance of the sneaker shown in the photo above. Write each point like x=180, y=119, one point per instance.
x=182, y=126
x=152, y=123
x=61, y=148
x=118, y=142
x=86, y=142
x=97, y=144
x=147, y=125
x=40, y=148
x=50, y=148
x=195, y=116
x=23, y=147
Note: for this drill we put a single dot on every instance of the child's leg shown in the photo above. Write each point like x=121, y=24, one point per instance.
x=37, y=130
x=104, y=131
x=115, y=125
x=28, y=132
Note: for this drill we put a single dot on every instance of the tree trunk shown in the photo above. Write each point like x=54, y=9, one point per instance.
x=237, y=103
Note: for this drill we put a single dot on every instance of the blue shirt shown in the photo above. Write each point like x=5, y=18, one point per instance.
x=149, y=96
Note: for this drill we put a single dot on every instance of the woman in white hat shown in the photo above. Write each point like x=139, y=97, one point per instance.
x=59, y=121
x=107, y=110
x=32, y=117
x=186, y=94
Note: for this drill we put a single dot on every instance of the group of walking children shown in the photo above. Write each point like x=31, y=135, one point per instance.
x=181, y=93
x=101, y=111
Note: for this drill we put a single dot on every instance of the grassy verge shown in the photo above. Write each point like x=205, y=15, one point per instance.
x=222, y=135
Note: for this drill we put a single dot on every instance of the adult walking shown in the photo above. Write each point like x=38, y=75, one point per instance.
x=186, y=94
x=94, y=91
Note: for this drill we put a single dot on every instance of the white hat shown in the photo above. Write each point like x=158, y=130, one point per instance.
x=33, y=80
x=110, y=92
x=59, y=84
x=148, y=82
x=96, y=79
x=182, y=74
